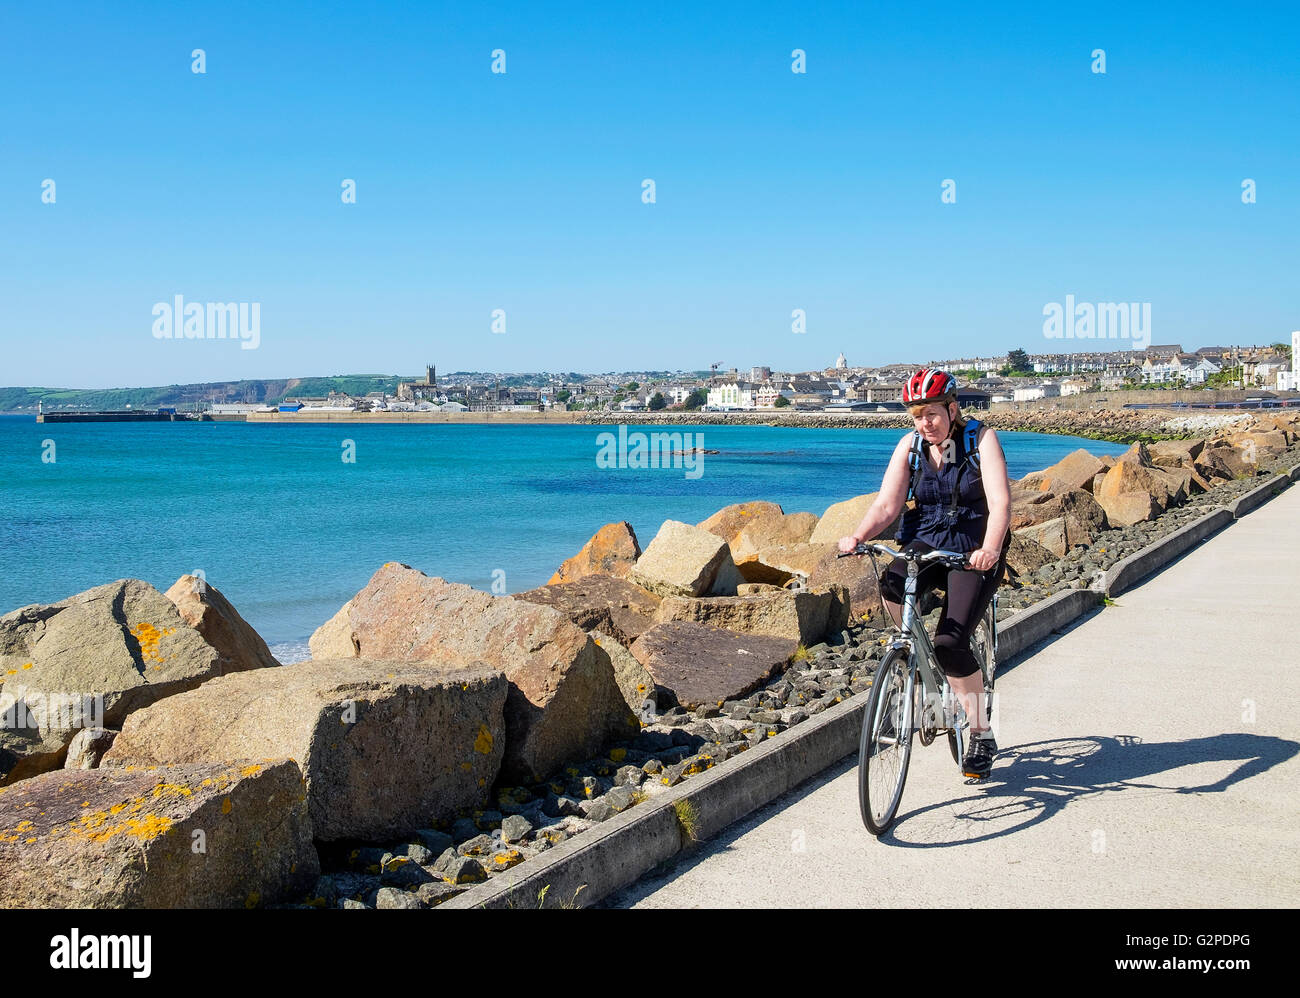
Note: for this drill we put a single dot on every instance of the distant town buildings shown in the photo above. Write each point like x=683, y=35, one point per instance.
x=980, y=378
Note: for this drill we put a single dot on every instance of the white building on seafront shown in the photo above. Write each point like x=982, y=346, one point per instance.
x=1031, y=393
x=731, y=395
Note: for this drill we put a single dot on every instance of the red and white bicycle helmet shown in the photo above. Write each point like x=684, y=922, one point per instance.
x=930, y=385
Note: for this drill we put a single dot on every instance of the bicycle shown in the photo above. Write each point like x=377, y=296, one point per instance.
x=885, y=747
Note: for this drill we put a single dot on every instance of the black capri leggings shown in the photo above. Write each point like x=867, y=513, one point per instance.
x=968, y=595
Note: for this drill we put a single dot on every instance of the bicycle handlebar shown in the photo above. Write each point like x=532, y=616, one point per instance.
x=954, y=558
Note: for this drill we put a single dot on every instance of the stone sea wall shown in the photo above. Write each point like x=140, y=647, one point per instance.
x=440, y=735
x=1119, y=425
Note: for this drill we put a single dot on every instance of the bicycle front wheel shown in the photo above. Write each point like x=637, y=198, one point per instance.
x=886, y=744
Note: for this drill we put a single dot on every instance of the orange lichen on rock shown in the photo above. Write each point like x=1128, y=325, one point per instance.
x=148, y=636
x=96, y=828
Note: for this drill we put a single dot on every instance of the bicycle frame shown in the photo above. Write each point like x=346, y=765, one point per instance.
x=923, y=661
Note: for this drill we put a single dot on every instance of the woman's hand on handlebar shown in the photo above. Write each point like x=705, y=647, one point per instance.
x=847, y=544
x=983, y=559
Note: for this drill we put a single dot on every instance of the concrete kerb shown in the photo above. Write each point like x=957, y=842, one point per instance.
x=1136, y=567
x=621, y=850
x=1257, y=497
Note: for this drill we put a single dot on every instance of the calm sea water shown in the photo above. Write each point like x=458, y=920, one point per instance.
x=288, y=531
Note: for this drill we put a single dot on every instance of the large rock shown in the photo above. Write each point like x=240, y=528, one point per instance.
x=1129, y=508
x=384, y=747
x=1258, y=444
x=1175, y=453
x=842, y=518
x=87, y=747
x=194, y=836
x=1050, y=534
x=1082, y=519
x=770, y=531
x=1134, y=474
x=600, y=602
x=822, y=567
x=686, y=561
x=635, y=683
x=694, y=664
x=612, y=550
x=333, y=639
x=1223, y=463
x=89, y=661
x=202, y=606
x=1026, y=556
x=1180, y=456
x=802, y=615
x=778, y=565
x=856, y=576
x=730, y=521
x=563, y=702
x=1074, y=471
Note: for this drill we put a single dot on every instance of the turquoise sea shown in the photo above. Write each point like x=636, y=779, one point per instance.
x=280, y=523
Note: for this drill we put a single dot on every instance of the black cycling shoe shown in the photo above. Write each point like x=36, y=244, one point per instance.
x=979, y=758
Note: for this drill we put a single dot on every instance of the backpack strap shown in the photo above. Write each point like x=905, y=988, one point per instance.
x=971, y=442
x=971, y=456
x=914, y=458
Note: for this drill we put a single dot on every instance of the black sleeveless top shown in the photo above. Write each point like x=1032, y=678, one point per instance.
x=934, y=521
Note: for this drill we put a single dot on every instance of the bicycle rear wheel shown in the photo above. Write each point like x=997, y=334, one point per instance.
x=886, y=744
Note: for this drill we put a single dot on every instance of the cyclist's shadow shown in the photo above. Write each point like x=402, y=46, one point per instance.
x=1043, y=777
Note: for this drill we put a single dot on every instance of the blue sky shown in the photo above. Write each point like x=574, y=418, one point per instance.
x=522, y=191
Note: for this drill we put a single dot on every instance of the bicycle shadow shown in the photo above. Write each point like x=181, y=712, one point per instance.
x=1034, y=782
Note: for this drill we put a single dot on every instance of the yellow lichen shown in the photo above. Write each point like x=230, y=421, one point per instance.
x=148, y=636
x=95, y=827
x=225, y=805
x=483, y=743
x=618, y=754
x=505, y=860
x=252, y=770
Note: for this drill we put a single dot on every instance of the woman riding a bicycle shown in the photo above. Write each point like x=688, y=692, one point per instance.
x=953, y=475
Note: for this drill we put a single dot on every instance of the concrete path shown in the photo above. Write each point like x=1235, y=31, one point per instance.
x=1149, y=758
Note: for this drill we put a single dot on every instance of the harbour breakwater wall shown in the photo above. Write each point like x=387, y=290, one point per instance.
x=502, y=735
